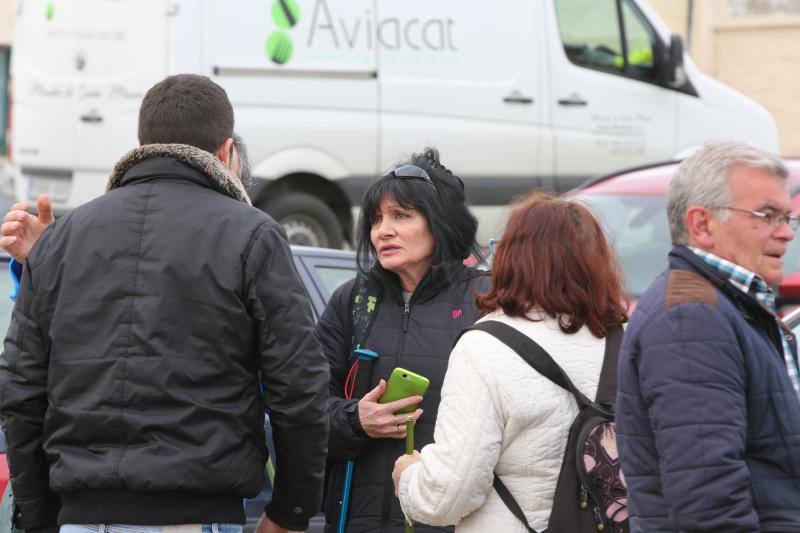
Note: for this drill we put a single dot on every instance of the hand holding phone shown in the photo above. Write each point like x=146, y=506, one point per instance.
x=376, y=414
x=403, y=384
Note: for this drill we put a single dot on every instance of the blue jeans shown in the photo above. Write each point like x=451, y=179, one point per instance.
x=125, y=528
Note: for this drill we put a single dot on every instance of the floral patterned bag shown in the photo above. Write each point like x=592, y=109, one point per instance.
x=601, y=481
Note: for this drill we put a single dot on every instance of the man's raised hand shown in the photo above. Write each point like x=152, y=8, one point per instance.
x=21, y=230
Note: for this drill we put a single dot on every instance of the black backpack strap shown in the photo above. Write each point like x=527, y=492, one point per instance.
x=364, y=300
x=607, y=386
x=511, y=503
x=531, y=353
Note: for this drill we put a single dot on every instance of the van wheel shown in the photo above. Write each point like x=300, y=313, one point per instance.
x=307, y=220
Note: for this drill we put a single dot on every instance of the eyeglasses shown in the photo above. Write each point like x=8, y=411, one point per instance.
x=772, y=219
x=410, y=172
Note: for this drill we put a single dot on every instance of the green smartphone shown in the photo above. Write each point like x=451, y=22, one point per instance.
x=402, y=384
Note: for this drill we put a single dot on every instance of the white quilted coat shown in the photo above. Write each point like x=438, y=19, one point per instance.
x=498, y=414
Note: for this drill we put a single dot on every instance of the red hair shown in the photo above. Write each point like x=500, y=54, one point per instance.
x=554, y=257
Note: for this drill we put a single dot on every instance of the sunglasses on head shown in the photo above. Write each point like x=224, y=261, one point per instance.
x=410, y=172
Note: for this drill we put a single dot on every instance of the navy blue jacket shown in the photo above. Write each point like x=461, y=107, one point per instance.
x=707, y=419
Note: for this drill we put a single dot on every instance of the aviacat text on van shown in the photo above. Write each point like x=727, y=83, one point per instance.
x=329, y=93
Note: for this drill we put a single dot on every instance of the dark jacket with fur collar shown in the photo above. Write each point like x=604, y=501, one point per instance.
x=129, y=382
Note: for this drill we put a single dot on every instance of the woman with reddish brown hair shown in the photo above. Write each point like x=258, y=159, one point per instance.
x=556, y=280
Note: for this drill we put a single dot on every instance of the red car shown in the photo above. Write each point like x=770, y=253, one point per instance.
x=631, y=205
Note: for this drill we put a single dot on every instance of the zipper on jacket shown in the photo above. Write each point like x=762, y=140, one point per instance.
x=402, y=344
x=388, y=492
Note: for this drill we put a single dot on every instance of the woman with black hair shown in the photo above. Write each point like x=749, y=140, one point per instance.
x=414, y=232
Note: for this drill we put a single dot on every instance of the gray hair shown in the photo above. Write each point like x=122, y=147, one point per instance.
x=245, y=169
x=702, y=179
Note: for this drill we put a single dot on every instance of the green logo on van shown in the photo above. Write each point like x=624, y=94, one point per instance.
x=279, y=47
x=49, y=10
x=285, y=13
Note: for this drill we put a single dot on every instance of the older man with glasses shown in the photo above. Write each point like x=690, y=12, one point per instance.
x=708, y=412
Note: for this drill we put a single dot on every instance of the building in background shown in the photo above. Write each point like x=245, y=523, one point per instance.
x=764, y=7
x=750, y=45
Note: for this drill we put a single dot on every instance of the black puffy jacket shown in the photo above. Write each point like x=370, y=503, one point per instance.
x=417, y=337
x=130, y=378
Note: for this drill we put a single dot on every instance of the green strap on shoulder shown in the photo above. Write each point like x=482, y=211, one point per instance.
x=364, y=301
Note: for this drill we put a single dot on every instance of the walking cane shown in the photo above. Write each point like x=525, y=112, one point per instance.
x=363, y=355
x=409, y=527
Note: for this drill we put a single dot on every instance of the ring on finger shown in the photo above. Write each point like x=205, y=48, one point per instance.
x=396, y=421
x=399, y=428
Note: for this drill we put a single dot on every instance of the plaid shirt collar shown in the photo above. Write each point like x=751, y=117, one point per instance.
x=746, y=281
x=754, y=285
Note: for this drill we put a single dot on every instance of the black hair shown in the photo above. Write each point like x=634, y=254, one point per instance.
x=450, y=222
x=186, y=109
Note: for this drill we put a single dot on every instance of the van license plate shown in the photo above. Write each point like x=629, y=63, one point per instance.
x=56, y=188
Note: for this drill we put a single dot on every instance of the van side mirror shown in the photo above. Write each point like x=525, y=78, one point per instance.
x=670, y=68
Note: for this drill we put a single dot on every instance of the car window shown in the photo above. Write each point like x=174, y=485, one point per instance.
x=334, y=277
x=593, y=38
x=590, y=33
x=638, y=231
x=640, y=41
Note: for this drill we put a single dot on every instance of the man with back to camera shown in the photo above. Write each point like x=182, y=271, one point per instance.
x=153, y=310
x=708, y=415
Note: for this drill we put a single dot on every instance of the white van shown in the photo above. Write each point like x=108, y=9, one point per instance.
x=330, y=93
